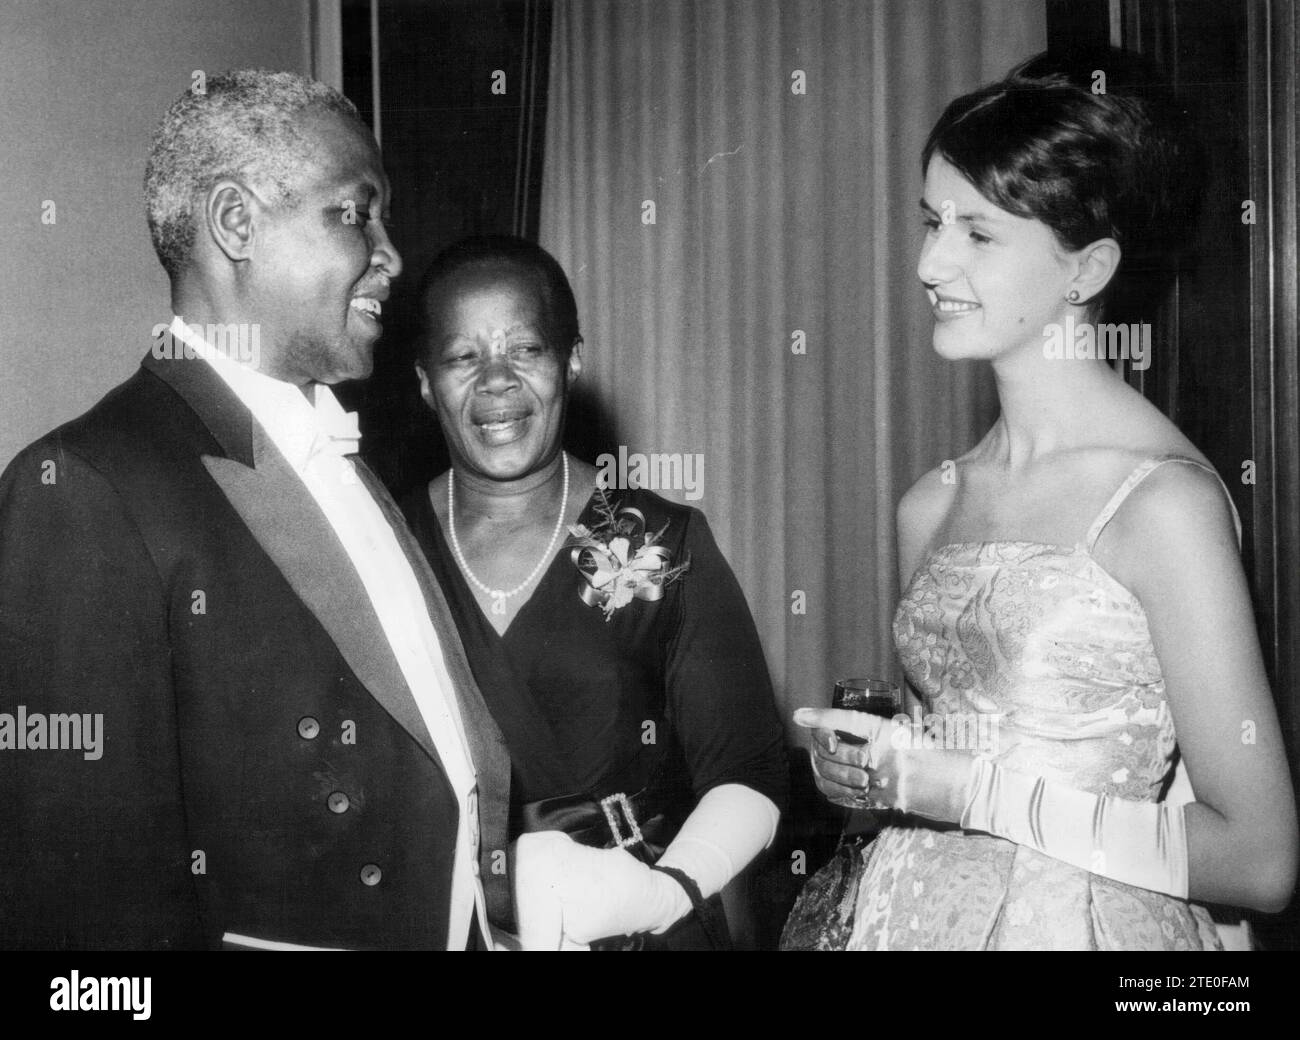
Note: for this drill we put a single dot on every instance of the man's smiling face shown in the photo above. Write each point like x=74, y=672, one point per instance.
x=322, y=264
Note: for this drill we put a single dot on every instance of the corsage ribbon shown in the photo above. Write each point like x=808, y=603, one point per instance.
x=613, y=572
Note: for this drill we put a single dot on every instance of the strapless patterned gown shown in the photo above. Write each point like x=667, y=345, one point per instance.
x=1058, y=651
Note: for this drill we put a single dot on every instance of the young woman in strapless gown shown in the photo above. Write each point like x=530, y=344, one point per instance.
x=1071, y=589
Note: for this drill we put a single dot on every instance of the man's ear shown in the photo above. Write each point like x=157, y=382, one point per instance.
x=229, y=218
x=1095, y=266
x=575, y=362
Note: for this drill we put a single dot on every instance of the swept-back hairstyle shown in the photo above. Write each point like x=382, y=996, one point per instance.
x=246, y=123
x=1091, y=145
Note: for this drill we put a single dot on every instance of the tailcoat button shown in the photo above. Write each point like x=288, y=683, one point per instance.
x=371, y=874
x=308, y=728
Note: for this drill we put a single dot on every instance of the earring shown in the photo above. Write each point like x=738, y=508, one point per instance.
x=1073, y=296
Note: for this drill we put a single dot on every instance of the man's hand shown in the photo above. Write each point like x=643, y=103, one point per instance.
x=567, y=894
x=892, y=770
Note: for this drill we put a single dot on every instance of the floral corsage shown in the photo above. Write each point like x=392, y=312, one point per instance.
x=619, y=560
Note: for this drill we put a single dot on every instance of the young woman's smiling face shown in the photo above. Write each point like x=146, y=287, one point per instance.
x=994, y=279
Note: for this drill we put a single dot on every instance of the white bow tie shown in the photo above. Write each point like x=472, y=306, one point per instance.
x=337, y=433
x=333, y=431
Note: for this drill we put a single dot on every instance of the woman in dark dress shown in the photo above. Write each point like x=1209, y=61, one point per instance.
x=606, y=630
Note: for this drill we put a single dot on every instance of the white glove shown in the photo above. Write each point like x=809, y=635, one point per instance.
x=1138, y=843
x=731, y=825
x=567, y=894
x=893, y=769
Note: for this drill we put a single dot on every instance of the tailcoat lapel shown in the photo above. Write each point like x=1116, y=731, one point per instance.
x=288, y=524
x=285, y=520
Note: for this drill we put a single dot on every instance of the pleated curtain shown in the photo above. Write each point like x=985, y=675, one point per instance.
x=770, y=318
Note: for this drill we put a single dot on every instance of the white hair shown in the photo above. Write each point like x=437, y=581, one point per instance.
x=245, y=124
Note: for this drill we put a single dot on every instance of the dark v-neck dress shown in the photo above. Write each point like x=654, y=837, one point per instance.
x=589, y=706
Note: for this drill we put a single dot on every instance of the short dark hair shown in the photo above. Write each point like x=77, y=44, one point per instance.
x=508, y=251
x=1091, y=145
x=246, y=122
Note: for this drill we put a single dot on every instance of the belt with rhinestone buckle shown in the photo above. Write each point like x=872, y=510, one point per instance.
x=615, y=828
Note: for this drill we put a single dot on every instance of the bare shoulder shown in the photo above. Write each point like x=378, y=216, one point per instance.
x=1177, y=497
x=1178, y=517
x=921, y=511
x=1146, y=431
x=1130, y=432
x=928, y=500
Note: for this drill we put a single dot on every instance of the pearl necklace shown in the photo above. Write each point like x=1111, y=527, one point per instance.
x=498, y=595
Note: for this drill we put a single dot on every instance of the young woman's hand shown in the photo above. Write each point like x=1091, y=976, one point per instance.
x=892, y=770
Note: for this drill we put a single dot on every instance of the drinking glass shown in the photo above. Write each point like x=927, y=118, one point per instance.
x=874, y=696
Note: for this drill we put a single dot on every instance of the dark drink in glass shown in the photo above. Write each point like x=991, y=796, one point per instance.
x=873, y=696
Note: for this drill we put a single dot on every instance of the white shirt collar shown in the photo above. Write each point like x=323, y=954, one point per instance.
x=299, y=428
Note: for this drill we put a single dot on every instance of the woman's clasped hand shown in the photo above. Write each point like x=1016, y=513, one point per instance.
x=892, y=767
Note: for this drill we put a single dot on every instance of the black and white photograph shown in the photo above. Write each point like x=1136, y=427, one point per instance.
x=650, y=475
